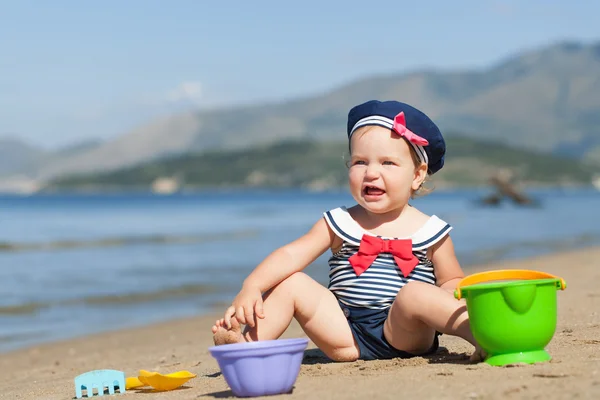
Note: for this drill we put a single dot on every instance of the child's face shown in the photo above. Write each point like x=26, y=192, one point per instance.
x=382, y=172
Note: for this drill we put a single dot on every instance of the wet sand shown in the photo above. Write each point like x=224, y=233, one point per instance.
x=47, y=371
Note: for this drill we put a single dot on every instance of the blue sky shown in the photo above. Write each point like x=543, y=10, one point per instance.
x=75, y=70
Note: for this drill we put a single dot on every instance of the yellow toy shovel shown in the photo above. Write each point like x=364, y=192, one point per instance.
x=159, y=381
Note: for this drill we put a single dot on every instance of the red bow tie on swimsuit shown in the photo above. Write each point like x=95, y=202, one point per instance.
x=371, y=246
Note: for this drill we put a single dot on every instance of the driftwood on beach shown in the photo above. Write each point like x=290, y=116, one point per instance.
x=502, y=181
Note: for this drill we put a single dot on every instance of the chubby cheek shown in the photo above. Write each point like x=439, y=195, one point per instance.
x=404, y=184
x=355, y=180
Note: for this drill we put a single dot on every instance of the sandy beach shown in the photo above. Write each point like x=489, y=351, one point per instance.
x=47, y=371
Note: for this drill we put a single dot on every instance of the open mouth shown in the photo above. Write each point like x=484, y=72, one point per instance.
x=373, y=191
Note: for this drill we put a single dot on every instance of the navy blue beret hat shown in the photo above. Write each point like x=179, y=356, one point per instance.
x=416, y=127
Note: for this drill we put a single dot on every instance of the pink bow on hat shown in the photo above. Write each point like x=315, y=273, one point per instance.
x=401, y=129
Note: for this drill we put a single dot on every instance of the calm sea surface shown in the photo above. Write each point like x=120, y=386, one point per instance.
x=77, y=264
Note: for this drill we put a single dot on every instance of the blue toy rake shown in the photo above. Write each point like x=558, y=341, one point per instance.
x=99, y=379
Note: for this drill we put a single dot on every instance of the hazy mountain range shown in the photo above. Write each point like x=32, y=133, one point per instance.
x=546, y=99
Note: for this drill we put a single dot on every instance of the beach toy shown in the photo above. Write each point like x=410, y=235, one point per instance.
x=512, y=313
x=99, y=379
x=261, y=368
x=133, y=383
x=164, y=382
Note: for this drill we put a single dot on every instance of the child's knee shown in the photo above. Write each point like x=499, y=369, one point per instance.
x=413, y=290
x=292, y=282
x=412, y=296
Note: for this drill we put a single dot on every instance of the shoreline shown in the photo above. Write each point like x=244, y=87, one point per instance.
x=191, y=190
x=471, y=265
x=47, y=370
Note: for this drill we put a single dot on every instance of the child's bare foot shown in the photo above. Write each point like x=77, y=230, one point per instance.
x=223, y=335
x=478, y=355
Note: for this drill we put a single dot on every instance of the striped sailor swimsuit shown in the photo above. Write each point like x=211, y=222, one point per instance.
x=366, y=299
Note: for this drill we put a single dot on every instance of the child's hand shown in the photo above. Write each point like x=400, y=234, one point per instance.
x=245, y=306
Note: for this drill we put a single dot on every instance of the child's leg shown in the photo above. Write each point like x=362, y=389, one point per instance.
x=313, y=306
x=419, y=310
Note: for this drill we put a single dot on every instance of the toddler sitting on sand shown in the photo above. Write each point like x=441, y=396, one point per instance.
x=393, y=269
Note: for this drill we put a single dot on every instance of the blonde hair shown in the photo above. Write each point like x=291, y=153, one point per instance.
x=426, y=186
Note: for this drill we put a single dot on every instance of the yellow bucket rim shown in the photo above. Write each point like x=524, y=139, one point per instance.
x=504, y=274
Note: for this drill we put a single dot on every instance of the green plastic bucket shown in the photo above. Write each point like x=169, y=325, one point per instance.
x=512, y=313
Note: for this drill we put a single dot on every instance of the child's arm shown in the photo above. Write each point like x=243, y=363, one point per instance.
x=447, y=268
x=292, y=257
x=280, y=264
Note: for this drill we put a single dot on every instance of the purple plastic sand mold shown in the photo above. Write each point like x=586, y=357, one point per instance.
x=260, y=368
